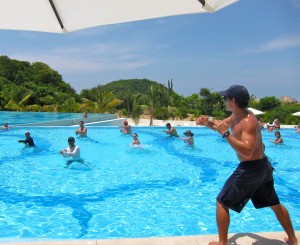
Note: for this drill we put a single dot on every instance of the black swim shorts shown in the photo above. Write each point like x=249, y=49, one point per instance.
x=251, y=180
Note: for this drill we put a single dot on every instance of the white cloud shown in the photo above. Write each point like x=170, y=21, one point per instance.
x=88, y=57
x=274, y=45
x=282, y=43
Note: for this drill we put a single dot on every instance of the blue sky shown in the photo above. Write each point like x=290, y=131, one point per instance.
x=254, y=43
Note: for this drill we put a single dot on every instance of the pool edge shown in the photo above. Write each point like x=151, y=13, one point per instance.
x=266, y=238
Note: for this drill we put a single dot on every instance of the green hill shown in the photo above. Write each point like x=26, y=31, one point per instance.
x=132, y=86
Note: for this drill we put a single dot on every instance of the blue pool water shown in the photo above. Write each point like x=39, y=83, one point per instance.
x=16, y=118
x=163, y=188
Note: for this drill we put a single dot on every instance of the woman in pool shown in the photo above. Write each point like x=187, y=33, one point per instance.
x=278, y=138
x=189, y=139
x=135, y=139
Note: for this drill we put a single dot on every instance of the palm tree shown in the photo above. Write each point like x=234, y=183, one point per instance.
x=19, y=100
x=61, y=103
x=101, y=101
x=155, y=99
x=137, y=108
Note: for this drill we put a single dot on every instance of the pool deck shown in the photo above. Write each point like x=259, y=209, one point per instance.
x=264, y=238
x=162, y=123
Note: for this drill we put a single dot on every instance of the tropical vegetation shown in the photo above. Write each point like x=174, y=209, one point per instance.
x=26, y=86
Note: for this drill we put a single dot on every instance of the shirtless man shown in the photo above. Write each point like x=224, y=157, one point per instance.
x=82, y=130
x=253, y=178
x=126, y=129
x=171, y=130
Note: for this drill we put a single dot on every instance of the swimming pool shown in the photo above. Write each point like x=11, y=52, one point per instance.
x=163, y=188
x=16, y=118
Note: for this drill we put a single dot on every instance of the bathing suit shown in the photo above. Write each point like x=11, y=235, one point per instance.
x=28, y=141
x=251, y=180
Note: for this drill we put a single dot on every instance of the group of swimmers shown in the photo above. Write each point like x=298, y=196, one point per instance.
x=189, y=140
x=126, y=129
x=73, y=151
x=270, y=127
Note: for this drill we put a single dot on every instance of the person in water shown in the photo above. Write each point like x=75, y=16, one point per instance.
x=82, y=130
x=189, y=137
x=253, y=178
x=72, y=152
x=28, y=140
x=171, y=130
x=135, y=139
x=5, y=125
x=126, y=128
x=278, y=139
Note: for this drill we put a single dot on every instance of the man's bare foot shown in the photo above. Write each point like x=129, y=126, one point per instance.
x=287, y=240
x=216, y=243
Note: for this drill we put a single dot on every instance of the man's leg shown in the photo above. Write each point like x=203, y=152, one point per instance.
x=284, y=218
x=223, y=219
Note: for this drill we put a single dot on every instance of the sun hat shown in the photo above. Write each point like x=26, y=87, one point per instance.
x=271, y=124
x=236, y=91
x=188, y=132
x=27, y=132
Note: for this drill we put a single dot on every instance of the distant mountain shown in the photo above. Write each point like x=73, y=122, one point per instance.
x=131, y=85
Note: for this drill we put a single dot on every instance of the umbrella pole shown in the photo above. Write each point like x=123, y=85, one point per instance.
x=57, y=15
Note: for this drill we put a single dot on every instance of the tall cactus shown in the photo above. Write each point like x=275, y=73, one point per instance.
x=170, y=90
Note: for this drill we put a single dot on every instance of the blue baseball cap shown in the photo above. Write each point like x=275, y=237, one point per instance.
x=237, y=92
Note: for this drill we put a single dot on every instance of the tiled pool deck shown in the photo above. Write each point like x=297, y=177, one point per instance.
x=267, y=238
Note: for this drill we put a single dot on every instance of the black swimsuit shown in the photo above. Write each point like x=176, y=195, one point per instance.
x=251, y=180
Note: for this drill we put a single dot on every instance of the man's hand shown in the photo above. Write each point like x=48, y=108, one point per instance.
x=220, y=126
x=202, y=120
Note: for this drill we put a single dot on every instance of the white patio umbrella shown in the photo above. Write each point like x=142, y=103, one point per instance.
x=255, y=112
x=296, y=114
x=70, y=15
